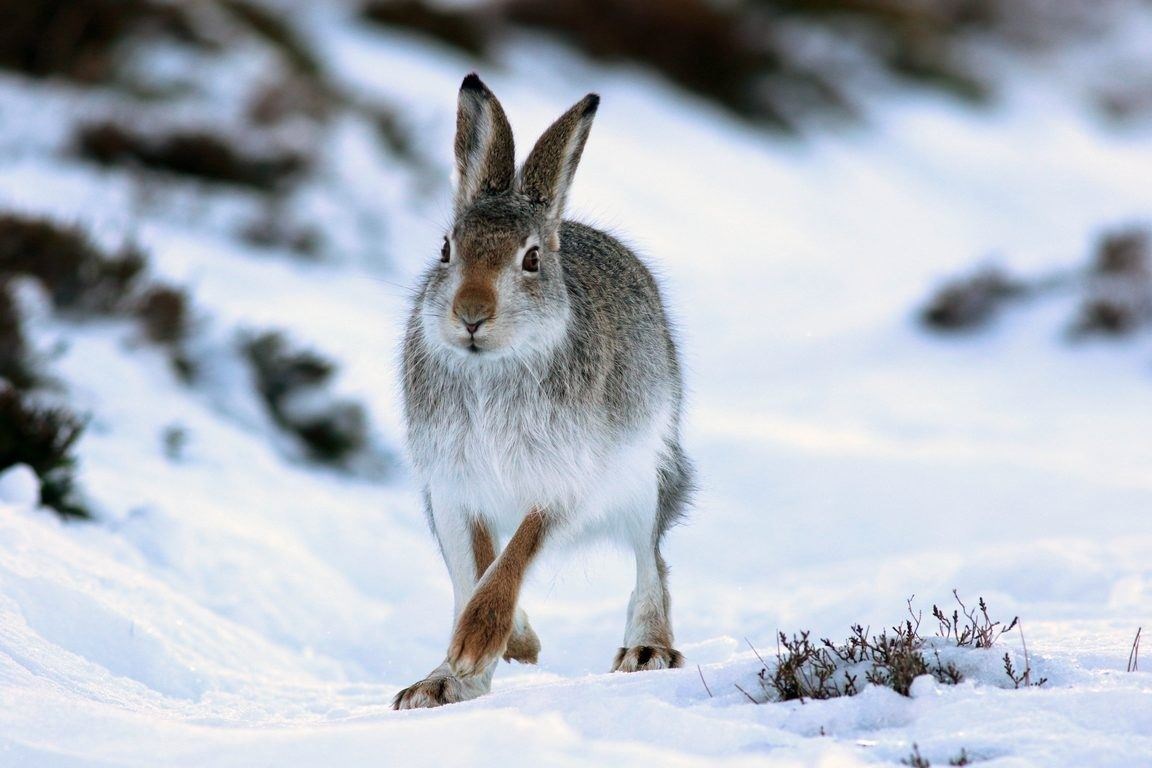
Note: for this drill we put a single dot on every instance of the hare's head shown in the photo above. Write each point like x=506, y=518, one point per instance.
x=499, y=286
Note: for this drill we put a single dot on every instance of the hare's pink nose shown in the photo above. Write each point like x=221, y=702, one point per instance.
x=473, y=327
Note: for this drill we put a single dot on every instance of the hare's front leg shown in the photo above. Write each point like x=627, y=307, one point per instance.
x=648, y=637
x=489, y=622
x=468, y=549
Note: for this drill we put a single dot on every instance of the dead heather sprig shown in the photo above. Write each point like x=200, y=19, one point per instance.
x=977, y=630
x=1023, y=678
x=892, y=658
x=915, y=759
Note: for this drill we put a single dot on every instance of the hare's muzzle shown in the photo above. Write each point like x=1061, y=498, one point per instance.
x=474, y=305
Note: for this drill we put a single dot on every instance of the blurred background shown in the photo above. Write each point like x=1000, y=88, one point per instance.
x=906, y=242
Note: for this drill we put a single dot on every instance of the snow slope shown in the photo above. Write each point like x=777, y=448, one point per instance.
x=239, y=607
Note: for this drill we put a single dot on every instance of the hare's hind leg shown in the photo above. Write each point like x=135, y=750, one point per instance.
x=468, y=550
x=648, y=637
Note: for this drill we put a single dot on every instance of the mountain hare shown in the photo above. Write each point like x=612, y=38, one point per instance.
x=542, y=395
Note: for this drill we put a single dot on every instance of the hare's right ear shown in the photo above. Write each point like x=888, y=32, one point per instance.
x=485, y=154
x=548, y=171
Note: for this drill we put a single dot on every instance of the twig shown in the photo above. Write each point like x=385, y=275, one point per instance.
x=1027, y=663
x=702, y=680
x=1134, y=654
x=756, y=651
x=745, y=693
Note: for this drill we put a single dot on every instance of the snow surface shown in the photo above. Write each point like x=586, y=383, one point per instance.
x=237, y=606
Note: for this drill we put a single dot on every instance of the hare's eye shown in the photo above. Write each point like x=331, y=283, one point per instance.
x=532, y=259
x=445, y=252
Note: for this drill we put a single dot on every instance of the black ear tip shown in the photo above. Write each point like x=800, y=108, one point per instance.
x=591, y=104
x=473, y=83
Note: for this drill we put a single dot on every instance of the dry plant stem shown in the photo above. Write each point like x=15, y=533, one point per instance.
x=750, y=698
x=702, y=680
x=1027, y=663
x=1134, y=654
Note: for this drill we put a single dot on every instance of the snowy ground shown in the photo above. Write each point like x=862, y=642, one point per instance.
x=241, y=608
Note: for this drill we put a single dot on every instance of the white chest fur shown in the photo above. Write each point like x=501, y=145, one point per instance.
x=505, y=450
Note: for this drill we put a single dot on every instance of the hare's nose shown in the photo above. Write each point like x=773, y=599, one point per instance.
x=473, y=327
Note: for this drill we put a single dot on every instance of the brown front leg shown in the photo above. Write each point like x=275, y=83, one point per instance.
x=487, y=621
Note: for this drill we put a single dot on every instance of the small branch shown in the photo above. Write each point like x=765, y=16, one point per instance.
x=1027, y=663
x=756, y=652
x=745, y=693
x=702, y=680
x=1134, y=654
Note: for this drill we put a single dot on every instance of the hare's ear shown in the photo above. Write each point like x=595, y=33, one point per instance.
x=485, y=154
x=548, y=171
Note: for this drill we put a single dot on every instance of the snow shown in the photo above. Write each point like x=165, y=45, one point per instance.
x=19, y=486
x=239, y=606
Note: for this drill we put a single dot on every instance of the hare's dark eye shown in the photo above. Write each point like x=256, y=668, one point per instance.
x=532, y=259
x=445, y=252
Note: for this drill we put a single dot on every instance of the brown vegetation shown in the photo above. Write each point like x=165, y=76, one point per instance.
x=78, y=275
x=195, y=154
x=42, y=438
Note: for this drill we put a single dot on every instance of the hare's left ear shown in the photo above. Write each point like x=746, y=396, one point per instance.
x=548, y=171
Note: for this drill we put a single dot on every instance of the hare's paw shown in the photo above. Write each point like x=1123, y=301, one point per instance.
x=437, y=690
x=480, y=638
x=641, y=657
x=523, y=645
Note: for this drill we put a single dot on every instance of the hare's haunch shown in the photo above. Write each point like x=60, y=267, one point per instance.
x=542, y=394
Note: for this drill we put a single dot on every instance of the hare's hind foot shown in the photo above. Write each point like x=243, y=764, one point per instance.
x=437, y=690
x=523, y=645
x=643, y=657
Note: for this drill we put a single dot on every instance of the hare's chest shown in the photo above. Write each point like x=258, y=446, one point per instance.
x=499, y=457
